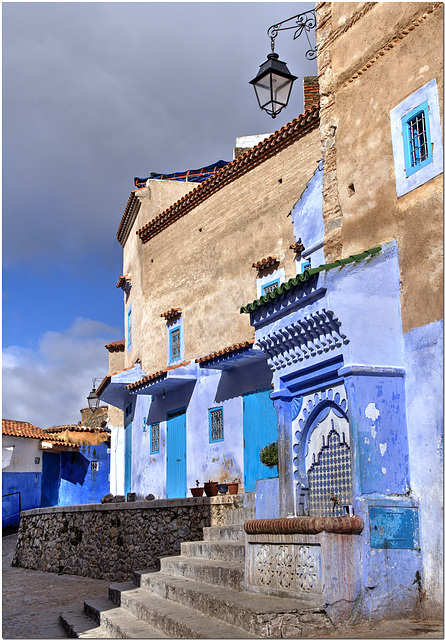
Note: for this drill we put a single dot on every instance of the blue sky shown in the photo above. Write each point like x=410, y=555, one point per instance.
x=95, y=94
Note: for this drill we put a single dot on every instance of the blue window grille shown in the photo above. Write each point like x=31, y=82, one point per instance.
x=269, y=286
x=129, y=328
x=154, y=438
x=216, y=425
x=416, y=139
x=175, y=344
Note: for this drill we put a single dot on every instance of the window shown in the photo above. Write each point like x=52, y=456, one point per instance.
x=417, y=139
x=175, y=341
x=270, y=286
x=154, y=438
x=129, y=328
x=216, y=424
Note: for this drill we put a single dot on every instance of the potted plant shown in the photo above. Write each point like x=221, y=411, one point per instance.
x=222, y=488
x=269, y=455
x=233, y=486
x=211, y=488
x=197, y=491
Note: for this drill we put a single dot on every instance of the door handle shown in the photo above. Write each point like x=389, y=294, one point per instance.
x=178, y=459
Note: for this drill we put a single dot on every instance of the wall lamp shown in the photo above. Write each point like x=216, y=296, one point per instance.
x=273, y=82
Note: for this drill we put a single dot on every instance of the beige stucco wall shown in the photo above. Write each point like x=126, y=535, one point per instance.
x=364, y=154
x=202, y=263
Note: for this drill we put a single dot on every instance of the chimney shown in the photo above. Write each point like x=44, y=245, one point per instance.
x=311, y=91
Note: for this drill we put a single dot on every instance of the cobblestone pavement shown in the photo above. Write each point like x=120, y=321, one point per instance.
x=33, y=601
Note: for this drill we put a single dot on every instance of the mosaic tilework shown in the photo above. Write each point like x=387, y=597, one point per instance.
x=330, y=486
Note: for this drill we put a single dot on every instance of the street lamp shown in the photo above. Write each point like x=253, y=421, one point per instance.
x=93, y=400
x=273, y=82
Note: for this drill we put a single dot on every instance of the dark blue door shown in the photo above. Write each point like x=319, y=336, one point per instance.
x=50, y=479
x=176, y=455
x=260, y=429
x=127, y=485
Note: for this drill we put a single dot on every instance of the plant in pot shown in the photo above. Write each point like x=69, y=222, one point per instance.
x=222, y=488
x=233, y=486
x=211, y=488
x=197, y=491
x=269, y=455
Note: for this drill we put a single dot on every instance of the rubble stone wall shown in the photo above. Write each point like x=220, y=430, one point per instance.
x=110, y=541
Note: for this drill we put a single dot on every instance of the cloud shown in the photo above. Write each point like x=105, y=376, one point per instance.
x=49, y=386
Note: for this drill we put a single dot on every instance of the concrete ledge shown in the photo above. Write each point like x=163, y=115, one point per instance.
x=165, y=503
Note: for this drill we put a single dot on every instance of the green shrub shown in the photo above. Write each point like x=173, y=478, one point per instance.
x=269, y=455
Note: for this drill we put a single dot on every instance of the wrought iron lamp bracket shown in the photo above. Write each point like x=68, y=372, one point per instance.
x=302, y=22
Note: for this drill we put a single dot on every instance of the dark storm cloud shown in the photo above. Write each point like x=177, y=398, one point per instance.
x=97, y=93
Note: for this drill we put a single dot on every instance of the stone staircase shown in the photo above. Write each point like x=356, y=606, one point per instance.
x=199, y=594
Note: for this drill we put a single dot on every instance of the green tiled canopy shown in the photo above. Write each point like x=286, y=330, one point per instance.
x=301, y=278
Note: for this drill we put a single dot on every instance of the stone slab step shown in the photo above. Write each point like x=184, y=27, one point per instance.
x=234, y=532
x=116, y=588
x=229, y=550
x=118, y=622
x=223, y=573
x=78, y=625
x=252, y=612
x=176, y=620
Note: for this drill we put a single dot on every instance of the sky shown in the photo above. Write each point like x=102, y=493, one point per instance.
x=95, y=94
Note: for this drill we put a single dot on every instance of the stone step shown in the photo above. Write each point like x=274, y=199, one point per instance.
x=223, y=573
x=118, y=622
x=174, y=619
x=214, y=550
x=233, y=532
x=78, y=625
x=252, y=612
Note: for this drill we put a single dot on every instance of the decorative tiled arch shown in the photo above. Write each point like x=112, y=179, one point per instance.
x=315, y=410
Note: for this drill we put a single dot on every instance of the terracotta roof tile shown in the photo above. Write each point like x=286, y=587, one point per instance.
x=116, y=346
x=21, y=429
x=171, y=313
x=73, y=427
x=106, y=381
x=270, y=261
x=26, y=430
x=240, y=346
x=247, y=161
x=154, y=376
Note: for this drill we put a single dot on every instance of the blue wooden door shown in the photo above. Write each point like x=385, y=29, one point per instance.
x=260, y=428
x=50, y=479
x=127, y=485
x=176, y=455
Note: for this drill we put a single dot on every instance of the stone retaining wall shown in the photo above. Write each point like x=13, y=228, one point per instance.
x=110, y=541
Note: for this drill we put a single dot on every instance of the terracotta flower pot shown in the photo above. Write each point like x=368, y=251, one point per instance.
x=197, y=491
x=210, y=488
x=233, y=487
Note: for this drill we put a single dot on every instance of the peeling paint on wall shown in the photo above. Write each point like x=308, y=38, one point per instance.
x=372, y=412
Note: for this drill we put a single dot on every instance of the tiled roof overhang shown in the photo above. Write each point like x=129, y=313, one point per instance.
x=116, y=346
x=69, y=427
x=168, y=380
x=284, y=137
x=130, y=213
x=171, y=314
x=21, y=429
x=112, y=389
x=238, y=355
x=270, y=261
x=301, y=278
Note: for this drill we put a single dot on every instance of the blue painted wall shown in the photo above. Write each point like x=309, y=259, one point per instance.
x=30, y=487
x=223, y=460
x=79, y=484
